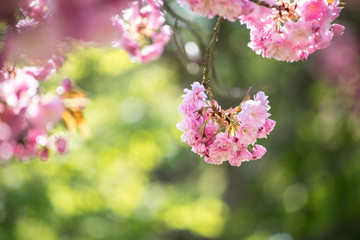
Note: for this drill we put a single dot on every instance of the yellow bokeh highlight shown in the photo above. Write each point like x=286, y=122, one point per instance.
x=204, y=216
x=114, y=62
x=34, y=229
x=143, y=150
x=127, y=192
x=74, y=200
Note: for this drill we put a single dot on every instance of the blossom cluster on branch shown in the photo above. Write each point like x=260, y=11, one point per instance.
x=286, y=30
x=49, y=27
x=224, y=135
x=142, y=31
x=27, y=116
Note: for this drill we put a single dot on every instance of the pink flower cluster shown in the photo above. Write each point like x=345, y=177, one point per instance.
x=51, y=26
x=26, y=116
x=44, y=34
x=303, y=27
x=290, y=33
x=220, y=135
x=228, y=9
x=142, y=31
x=36, y=9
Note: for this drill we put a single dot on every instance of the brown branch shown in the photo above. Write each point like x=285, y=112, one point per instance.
x=208, y=61
x=266, y=4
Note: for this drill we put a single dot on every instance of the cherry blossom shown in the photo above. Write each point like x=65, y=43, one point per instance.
x=294, y=32
x=220, y=135
x=228, y=9
x=27, y=117
x=286, y=30
x=142, y=32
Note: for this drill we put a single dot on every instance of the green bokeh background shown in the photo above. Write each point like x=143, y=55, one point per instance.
x=134, y=179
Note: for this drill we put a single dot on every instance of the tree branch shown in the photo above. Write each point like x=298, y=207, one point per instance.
x=208, y=60
x=266, y=4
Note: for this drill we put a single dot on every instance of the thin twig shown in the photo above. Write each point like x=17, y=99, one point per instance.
x=266, y=4
x=208, y=60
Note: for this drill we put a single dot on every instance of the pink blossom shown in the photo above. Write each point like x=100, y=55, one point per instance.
x=258, y=151
x=314, y=10
x=220, y=135
x=18, y=91
x=37, y=9
x=61, y=145
x=37, y=136
x=24, y=152
x=16, y=121
x=228, y=9
x=5, y=132
x=200, y=149
x=41, y=73
x=337, y=29
x=46, y=113
x=223, y=149
x=241, y=156
x=266, y=128
x=44, y=154
x=6, y=151
x=263, y=99
x=247, y=133
x=142, y=32
x=27, y=116
x=304, y=27
x=254, y=112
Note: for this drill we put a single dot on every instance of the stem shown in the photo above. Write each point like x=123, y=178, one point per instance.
x=208, y=60
x=266, y=4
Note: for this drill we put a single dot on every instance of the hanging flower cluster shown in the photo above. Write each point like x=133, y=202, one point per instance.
x=50, y=27
x=297, y=30
x=224, y=135
x=27, y=116
x=286, y=30
x=228, y=9
x=142, y=31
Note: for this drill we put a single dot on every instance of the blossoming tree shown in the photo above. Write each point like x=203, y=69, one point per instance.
x=37, y=35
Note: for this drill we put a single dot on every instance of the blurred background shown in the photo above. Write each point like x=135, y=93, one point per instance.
x=134, y=178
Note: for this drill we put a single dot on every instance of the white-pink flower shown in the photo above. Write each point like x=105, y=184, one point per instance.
x=258, y=151
x=265, y=129
x=222, y=149
x=247, y=133
x=18, y=91
x=241, y=156
x=253, y=112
